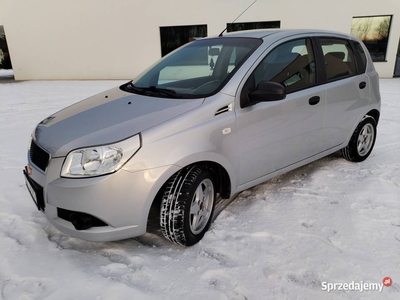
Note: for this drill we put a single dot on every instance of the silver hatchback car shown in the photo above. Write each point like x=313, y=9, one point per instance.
x=211, y=119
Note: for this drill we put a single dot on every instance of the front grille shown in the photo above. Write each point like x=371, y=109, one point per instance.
x=39, y=157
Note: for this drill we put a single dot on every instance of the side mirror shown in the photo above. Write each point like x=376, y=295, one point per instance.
x=267, y=91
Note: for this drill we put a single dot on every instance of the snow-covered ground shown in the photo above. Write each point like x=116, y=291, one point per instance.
x=331, y=221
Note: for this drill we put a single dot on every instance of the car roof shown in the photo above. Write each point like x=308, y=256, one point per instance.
x=262, y=33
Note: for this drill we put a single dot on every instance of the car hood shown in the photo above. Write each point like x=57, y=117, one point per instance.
x=106, y=118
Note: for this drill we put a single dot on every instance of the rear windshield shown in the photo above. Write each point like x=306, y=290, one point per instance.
x=197, y=70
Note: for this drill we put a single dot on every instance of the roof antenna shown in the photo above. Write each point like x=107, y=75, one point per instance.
x=238, y=17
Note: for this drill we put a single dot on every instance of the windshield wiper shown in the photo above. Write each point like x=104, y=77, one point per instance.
x=160, y=91
x=151, y=90
x=131, y=88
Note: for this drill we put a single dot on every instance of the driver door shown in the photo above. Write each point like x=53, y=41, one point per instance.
x=276, y=134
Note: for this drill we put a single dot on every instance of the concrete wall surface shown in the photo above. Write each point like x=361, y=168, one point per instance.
x=118, y=39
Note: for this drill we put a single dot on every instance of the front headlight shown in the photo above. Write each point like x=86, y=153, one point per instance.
x=99, y=160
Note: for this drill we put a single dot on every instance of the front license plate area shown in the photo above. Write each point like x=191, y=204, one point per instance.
x=35, y=190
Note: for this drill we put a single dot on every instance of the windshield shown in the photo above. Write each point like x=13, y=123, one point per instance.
x=197, y=70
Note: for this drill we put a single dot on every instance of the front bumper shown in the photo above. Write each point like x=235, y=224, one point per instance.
x=121, y=200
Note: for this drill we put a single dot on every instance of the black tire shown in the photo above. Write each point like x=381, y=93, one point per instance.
x=362, y=141
x=187, y=188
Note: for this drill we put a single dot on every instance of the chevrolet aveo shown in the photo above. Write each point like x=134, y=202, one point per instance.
x=206, y=122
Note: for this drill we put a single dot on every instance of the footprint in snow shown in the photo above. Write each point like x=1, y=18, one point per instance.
x=117, y=258
x=114, y=270
x=13, y=226
x=306, y=225
x=221, y=281
x=132, y=276
x=260, y=234
x=27, y=288
x=397, y=236
x=308, y=279
x=216, y=255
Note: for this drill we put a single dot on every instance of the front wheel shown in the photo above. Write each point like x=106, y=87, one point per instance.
x=187, y=205
x=362, y=141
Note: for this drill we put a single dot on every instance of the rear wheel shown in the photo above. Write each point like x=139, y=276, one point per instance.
x=187, y=205
x=362, y=141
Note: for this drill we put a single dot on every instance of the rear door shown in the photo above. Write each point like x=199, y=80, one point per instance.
x=347, y=89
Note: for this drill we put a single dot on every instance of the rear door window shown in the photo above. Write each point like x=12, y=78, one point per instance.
x=338, y=57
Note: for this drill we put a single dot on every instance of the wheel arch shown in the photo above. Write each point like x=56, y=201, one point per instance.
x=375, y=114
x=361, y=142
x=223, y=183
x=221, y=177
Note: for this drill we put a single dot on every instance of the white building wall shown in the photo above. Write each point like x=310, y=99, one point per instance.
x=118, y=39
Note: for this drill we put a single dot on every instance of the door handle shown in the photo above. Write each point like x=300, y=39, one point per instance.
x=362, y=85
x=314, y=100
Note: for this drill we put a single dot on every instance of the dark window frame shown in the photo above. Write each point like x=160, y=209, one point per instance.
x=169, y=44
x=5, y=59
x=232, y=27
x=369, y=46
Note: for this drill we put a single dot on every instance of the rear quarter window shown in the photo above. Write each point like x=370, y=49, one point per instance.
x=362, y=64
